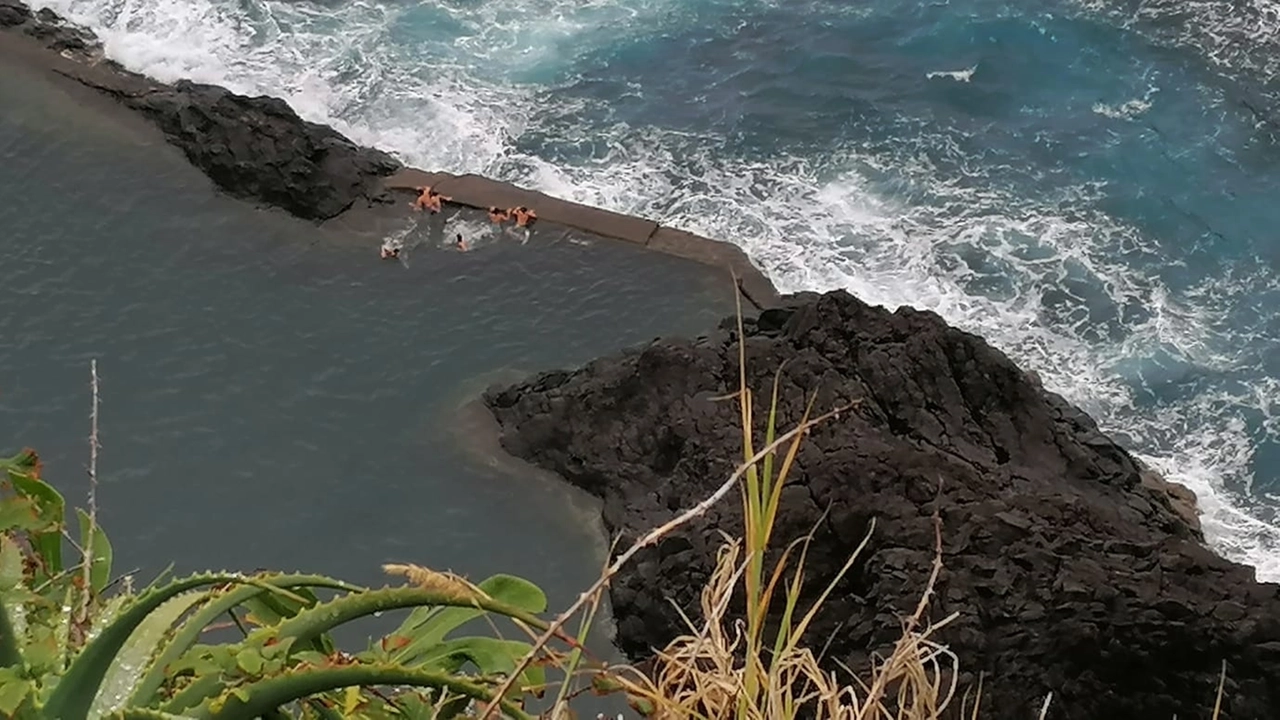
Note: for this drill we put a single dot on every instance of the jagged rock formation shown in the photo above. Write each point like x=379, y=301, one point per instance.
x=48, y=28
x=253, y=148
x=1070, y=572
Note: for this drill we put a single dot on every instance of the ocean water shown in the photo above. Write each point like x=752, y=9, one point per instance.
x=1089, y=185
x=273, y=394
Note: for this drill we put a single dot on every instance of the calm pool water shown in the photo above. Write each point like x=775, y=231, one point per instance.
x=272, y=394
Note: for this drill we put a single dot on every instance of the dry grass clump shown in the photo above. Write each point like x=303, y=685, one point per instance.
x=704, y=674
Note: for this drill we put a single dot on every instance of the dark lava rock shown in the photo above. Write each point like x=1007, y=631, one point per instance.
x=253, y=148
x=1069, y=573
x=50, y=29
x=258, y=148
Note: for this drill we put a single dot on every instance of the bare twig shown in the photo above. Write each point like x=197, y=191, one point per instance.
x=649, y=538
x=93, y=490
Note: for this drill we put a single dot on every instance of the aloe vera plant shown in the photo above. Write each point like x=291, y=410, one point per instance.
x=76, y=644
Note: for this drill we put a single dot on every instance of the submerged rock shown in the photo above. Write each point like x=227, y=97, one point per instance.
x=1070, y=572
x=253, y=148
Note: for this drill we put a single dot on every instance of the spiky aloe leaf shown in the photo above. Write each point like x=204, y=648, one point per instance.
x=425, y=628
x=218, y=605
x=326, y=616
x=78, y=687
x=144, y=714
x=135, y=657
x=250, y=701
x=199, y=690
x=100, y=563
x=268, y=610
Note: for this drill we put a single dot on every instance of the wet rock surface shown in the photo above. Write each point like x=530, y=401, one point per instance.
x=1072, y=570
x=253, y=148
x=48, y=28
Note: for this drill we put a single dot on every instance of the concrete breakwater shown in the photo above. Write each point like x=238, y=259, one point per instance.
x=259, y=149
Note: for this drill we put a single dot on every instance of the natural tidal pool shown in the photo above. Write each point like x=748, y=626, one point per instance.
x=272, y=394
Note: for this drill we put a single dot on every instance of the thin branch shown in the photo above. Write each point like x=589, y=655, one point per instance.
x=93, y=490
x=649, y=538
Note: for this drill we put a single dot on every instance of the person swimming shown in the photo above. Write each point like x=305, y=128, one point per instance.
x=459, y=243
x=390, y=252
x=429, y=199
x=498, y=215
x=524, y=216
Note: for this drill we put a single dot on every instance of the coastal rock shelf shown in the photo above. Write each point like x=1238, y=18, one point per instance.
x=258, y=149
x=253, y=148
x=1072, y=569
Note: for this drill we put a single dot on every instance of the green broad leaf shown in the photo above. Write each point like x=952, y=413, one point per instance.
x=249, y=662
x=269, y=610
x=427, y=627
x=52, y=508
x=134, y=658
x=414, y=706
x=44, y=650
x=21, y=514
x=14, y=689
x=10, y=564
x=489, y=656
x=100, y=569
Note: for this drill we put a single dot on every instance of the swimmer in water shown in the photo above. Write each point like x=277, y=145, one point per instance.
x=429, y=199
x=390, y=253
x=498, y=215
x=460, y=243
x=524, y=216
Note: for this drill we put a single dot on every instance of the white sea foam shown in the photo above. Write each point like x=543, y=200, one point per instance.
x=965, y=75
x=1234, y=35
x=1050, y=282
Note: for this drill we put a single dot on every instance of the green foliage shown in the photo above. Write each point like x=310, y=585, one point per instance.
x=77, y=644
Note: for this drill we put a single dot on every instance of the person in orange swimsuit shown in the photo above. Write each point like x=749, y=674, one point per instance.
x=429, y=199
x=524, y=216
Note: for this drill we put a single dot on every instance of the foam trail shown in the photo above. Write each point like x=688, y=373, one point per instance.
x=984, y=257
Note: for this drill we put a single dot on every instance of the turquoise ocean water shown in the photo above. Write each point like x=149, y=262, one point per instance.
x=1092, y=186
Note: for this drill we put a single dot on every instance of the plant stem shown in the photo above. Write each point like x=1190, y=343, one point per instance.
x=87, y=590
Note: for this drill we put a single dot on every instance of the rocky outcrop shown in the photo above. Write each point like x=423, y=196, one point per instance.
x=258, y=149
x=49, y=29
x=1070, y=573
x=253, y=148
